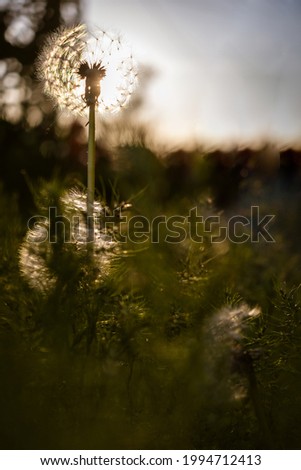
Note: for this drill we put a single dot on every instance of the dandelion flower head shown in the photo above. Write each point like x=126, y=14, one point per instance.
x=69, y=52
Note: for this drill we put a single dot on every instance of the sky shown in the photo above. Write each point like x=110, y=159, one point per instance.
x=225, y=72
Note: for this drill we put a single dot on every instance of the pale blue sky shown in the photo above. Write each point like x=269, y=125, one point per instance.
x=227, y=71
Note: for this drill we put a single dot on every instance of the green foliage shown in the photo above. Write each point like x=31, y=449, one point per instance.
x=150, y=345
x=157, y=348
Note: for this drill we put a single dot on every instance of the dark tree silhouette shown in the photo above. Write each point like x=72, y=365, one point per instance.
x=23, y=27
x=27, y=130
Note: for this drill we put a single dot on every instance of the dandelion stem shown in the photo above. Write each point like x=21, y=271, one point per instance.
x=91, y=173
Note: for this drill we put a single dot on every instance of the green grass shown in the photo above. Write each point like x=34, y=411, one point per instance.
x=133, y=360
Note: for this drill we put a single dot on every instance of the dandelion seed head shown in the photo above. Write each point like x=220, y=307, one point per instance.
x=33, y=255
x=229, y=323
x=36, y=251
x=75, y=208
x=225, y=353
x=67, y=56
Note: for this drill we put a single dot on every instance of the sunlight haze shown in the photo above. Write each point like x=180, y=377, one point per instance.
x=226, y=72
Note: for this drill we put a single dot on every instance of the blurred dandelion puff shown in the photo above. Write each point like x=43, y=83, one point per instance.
x=229, y=323
x=36, y=251
x=34, y=255
x=76, y=64
x=227, y=357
